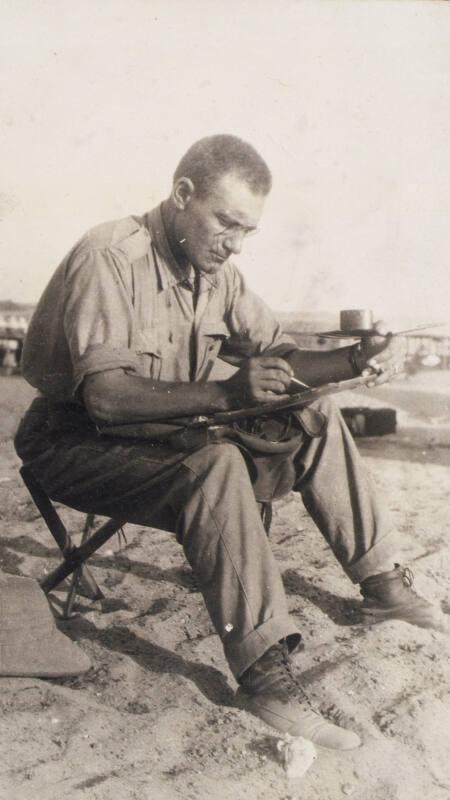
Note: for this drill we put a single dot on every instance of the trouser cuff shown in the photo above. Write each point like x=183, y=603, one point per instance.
x=242, y=654
x=380, y=558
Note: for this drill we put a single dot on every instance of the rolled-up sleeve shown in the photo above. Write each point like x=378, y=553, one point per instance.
x=98, y=313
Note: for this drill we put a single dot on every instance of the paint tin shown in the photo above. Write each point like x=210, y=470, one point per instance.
x=356, y=319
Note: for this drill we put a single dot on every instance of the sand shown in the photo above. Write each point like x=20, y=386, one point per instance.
x=155, y=716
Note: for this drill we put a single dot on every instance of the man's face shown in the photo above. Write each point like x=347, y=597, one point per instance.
x=211, y=228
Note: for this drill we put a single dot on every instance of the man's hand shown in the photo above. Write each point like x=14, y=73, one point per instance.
x=258, y=380
x=383, y=354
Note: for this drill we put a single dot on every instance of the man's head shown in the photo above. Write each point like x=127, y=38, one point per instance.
x=210, y=158
x=217, y=199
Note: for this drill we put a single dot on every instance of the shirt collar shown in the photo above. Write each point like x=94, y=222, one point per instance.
x=170, y=272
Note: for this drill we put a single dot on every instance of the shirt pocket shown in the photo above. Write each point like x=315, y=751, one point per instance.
x=149, y=352
x=212, y=335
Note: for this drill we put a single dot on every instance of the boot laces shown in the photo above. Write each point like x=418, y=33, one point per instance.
x=292, y=678
x=278, y=666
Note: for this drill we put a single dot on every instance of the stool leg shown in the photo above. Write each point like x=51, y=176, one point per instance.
x=79, y=576
x=58, y=529
x=86, y=580
x=78, y=555
x=266, y=516
x=44, y=506
x=71, y=594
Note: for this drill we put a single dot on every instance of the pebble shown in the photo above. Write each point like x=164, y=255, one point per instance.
x=297, y=755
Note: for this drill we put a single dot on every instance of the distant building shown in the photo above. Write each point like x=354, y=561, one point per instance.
x=427, y=351
x=14, y=322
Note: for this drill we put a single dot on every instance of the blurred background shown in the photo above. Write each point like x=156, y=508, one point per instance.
x=348, y=102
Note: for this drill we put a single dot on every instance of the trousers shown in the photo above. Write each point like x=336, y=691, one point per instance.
x=207, y=500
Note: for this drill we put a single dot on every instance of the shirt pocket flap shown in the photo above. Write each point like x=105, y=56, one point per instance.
x=217, y=329
x=148, y=341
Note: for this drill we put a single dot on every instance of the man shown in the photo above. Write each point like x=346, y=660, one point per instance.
x=127, y=331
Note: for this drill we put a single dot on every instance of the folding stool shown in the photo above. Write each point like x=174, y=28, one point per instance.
x=74, y=557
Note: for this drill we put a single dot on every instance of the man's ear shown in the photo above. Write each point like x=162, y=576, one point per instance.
x=182, y=191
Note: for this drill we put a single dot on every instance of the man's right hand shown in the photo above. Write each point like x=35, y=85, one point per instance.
x=259, y=380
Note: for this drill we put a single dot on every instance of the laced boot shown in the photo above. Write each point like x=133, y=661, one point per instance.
x=270, y=690
x=391, y=595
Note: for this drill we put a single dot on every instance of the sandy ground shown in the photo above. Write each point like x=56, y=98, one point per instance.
x=155, y=717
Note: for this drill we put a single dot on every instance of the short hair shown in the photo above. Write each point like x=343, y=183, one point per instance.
x=210, y=158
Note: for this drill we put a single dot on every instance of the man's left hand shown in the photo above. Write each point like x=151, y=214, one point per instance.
x=382, y=354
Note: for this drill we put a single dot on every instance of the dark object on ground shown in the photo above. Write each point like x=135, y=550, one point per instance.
x=31, y=644
x=364, y=421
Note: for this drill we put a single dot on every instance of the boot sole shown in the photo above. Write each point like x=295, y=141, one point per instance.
x=372, y=616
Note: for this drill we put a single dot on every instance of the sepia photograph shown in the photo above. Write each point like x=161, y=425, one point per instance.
x=225, y=400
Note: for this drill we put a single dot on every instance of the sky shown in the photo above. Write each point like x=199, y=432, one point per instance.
x=347, y=100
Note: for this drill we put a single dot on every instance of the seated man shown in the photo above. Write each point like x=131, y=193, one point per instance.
x=127, y=331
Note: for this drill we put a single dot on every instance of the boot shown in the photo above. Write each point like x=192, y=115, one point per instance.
x=391, y=595
x=270, y=691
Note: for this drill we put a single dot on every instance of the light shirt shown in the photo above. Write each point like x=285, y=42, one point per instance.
x=119, y=300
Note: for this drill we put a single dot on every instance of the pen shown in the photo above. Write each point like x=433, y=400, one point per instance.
x=300, y=383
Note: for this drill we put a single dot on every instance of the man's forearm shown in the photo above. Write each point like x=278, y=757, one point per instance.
x=116, y=397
